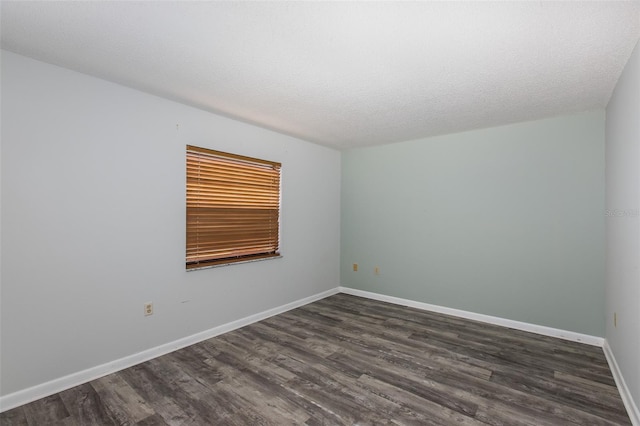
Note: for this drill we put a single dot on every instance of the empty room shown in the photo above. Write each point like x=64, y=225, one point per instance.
x=320, y=213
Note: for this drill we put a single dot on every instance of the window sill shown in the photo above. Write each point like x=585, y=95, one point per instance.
x=233, y=263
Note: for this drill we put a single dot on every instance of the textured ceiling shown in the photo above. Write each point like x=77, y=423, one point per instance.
x=344, y=74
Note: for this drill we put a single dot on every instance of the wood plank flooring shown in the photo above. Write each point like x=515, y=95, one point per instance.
x=346, y=360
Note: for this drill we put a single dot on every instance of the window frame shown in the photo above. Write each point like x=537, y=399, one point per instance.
x=231, y=207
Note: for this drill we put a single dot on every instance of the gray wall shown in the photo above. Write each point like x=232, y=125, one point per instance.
x=623, y=223
x=93, y=223
x=506, y=221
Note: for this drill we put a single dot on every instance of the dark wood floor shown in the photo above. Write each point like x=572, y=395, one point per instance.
x=345, y=360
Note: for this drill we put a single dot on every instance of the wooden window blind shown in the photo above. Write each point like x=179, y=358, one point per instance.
x=233, y=208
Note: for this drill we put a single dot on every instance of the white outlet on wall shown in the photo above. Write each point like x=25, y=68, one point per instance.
x=148, y=309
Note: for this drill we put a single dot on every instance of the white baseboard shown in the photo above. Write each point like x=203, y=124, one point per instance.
x=25, y=396
x=625, y=394
x=518, y=325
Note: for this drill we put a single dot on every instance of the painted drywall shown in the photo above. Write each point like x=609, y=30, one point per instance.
x=506, y=221
x=623, y=224
x=93, y=223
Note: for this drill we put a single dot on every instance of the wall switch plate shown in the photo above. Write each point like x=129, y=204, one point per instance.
x=355, y=267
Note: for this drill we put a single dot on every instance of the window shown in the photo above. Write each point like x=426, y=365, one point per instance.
x=233, y=208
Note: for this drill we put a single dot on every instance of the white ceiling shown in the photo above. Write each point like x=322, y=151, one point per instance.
x=344, y=74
